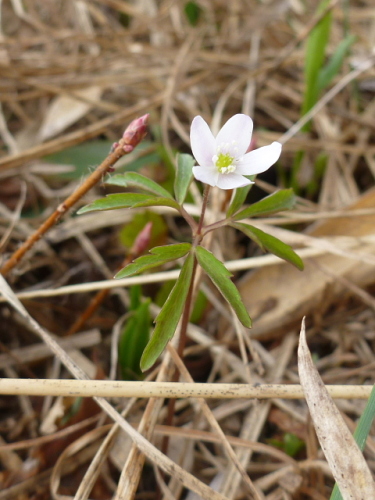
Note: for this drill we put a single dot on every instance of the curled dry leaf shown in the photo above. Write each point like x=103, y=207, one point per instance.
x=65, y=110
x=345, y=459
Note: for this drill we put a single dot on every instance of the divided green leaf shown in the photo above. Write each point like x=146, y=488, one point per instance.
x=276, y=202
x=220, y=276
x=270, y=243
x=157, y=257
x=128, y=200
x=169, y=316
x=114, y=201
x=184, y=174
x=133, y=179
x=158, y=202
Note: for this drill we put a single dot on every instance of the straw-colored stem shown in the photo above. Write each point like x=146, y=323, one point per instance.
x=116, y=389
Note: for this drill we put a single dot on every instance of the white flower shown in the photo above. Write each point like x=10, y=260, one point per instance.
x=223, y=160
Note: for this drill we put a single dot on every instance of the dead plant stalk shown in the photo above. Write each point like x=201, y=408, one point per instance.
x=109, y=388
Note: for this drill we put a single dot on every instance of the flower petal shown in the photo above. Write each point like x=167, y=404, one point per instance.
x=239, y=129
x=232, y=181
x=208, y=175
x=203, y=144
x=259, y=160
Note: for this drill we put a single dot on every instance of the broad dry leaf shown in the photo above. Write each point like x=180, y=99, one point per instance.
x=278, y=296
x=65, y=110
x=345, y=459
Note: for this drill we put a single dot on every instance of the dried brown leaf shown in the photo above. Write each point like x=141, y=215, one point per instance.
x=345, y=459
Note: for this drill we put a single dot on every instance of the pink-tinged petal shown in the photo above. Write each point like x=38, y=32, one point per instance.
x=239, y=129
x=259, y=160
x=208, y=175
x=232, y=181
x=203, y=144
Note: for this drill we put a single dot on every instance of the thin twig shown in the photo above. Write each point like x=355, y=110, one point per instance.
x=124, y=147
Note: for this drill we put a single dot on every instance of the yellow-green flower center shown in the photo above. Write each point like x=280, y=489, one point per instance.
x=224, y=163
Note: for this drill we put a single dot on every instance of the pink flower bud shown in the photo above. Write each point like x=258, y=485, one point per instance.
x=128, y=148
x=142, y=240
x=136, y=131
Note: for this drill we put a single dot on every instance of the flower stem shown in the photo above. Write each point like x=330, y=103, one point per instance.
x=215, y=225
x=186, y=314
x=204, y=206
x=189, y=219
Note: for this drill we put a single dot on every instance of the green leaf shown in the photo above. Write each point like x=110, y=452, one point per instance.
x=270, y=243
x=133, y=179
x=239, y=197
x=157, y=257
x=114, y=201
x=290, y=444
x=135, y=293
x=276, y=202
x=198, y=309
x=134, y=339
x=158, y=202
x=333, y=66
x=169, y=316
x=220, y=277
x=193, y=12
x=184, y=174
x=127, y=200
x=200, y=305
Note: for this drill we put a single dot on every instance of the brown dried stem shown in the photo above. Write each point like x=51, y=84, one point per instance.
x=125, y=146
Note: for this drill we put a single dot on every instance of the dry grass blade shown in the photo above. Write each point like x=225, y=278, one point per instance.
x=132, y=470
x=124, y=389
x=255, y=492
x=145, y=446
x=345, y=459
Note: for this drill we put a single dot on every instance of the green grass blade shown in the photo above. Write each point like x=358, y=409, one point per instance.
x=314, y=59
x=360, y=434
x=333, y=66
